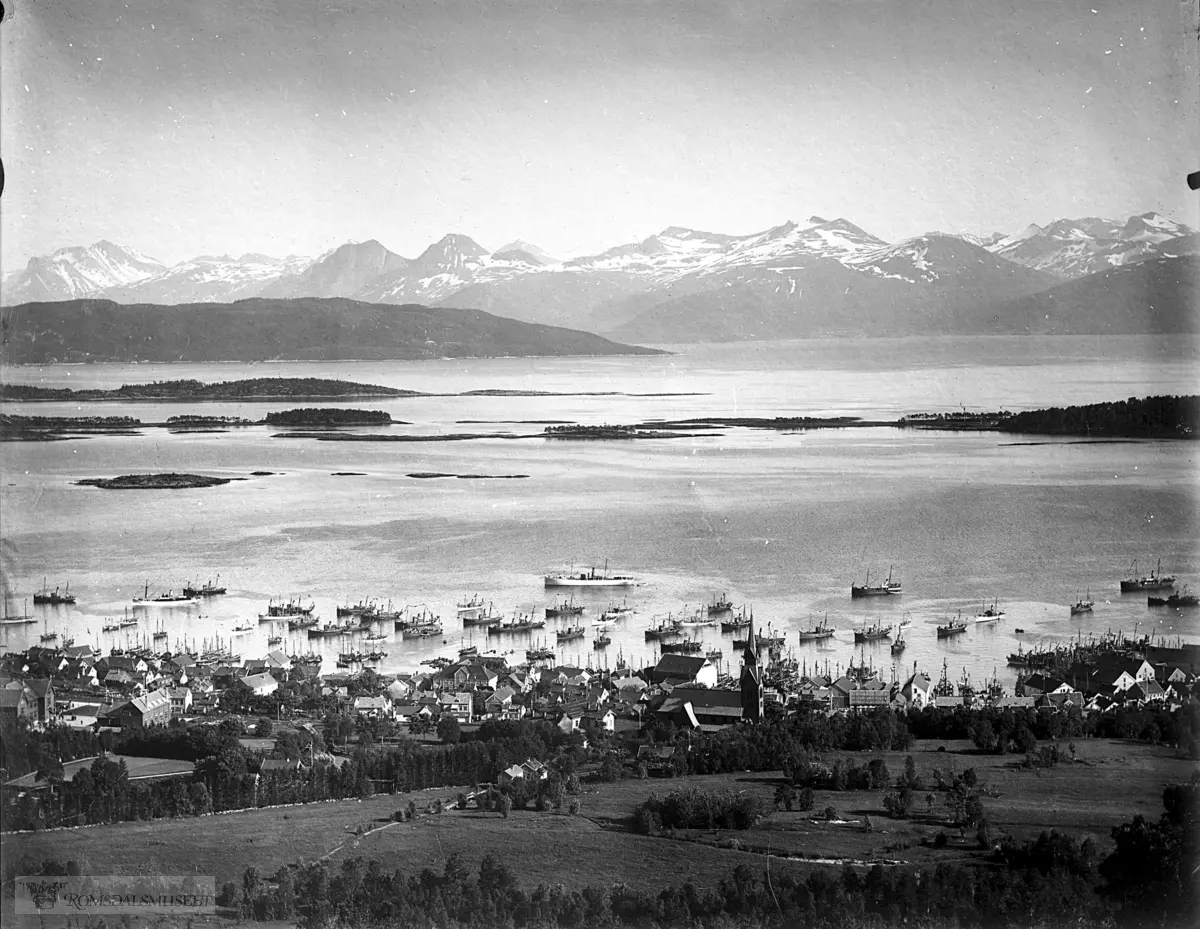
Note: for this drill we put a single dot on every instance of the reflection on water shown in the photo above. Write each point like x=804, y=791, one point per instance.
x=781, y=522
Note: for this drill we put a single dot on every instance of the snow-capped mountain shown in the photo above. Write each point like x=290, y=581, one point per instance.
x=1071, y=248
x=796, y=279
x=209, y=279
x=82, y=271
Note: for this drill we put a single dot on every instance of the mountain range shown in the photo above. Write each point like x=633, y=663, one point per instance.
x=819, y=277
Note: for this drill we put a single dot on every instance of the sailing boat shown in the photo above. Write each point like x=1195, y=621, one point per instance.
x=47, y=635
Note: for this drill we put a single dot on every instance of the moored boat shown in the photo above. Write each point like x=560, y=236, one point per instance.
x=208, y=589
x=952, y=627
x=564, y=608
x=617, y=611
x=286, y=608
x=817, y=632
x=898, y=644
x=720, y=605
x=667, y=627
x=1083, y=605
x=49, y=597
x=1155, y=580
x=1184, y=597
x=990, y=614
x=521, y=623
x=569, y=634
x=589, y=578
x=889, y=587
x=873, y=633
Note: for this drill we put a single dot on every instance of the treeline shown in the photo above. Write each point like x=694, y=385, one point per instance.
x=327, y=416
x=1149, y=417
x=10, y=421
x=232, y=779
x=1148, y=880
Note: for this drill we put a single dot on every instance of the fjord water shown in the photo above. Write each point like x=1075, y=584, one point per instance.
x=781, y=521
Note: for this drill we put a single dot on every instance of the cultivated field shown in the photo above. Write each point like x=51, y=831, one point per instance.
x=1111, y=782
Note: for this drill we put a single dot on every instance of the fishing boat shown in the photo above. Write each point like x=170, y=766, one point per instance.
x=1185, y=597
x=362, y=608
x=469, y=651
x=208, y=589
x=714, y=654
x=683, y=646
x=1156, y=580
x=485, y=616
x=471, y=607
x=990, y=614
x=698, y=619
x=376, y=637
x=1083, y=605
x=818, y=631
x=720, y=605
x=617, y=611
x=1156, y=601
x=539, y=653
x=243, y=627
x=297, y=623
x=310, y=660
x=377, y=654
x=906, y=621
x=160, y=633
x=1018, y=659
x=521, y=623
x=898, y=644
x=565, y=608
x=667, y=627
x=770, y=640
x=428, y=629
x=53, y=597
x=589, y=578
x=736, y=623
x=569, y=634
x=49, y=636
x=603, y=640
x=873, y=633
x=275, y=639
x=287, y=608
x=888, y=588
x=952, y=627
x=127, y=621
x=328, y=630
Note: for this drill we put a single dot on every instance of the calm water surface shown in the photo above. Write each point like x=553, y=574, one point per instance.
x=784, y=522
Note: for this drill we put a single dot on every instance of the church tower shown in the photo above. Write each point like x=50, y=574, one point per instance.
x=752, y=680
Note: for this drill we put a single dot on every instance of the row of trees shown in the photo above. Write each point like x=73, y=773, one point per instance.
x=692, y=808
x=1148, y=416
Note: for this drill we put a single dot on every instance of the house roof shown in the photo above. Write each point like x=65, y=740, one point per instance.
x=12, y=698
x=683, y=667
x=701, y=698
x=254, y=681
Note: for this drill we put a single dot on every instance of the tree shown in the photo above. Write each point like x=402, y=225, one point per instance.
x=785, y=797
x=448, y=729
x=263, y=728
x=506, y=805
x=573, y=806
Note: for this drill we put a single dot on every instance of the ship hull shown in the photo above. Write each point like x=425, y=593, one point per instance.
x=589, y=582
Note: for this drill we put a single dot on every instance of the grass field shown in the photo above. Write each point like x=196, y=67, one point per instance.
x=1110, y=784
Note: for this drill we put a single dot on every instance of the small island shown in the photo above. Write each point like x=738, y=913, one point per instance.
x=170, y=481
x=327, y=416
x=606, y=431
x=426, y=475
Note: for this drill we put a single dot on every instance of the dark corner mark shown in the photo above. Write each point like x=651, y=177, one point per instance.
x=1194, y=180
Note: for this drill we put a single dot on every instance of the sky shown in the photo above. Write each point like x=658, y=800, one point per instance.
x=290, y=127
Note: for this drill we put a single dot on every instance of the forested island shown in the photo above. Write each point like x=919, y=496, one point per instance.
x=327, y=416
x=259, y=388
x=170, y=481
x=1149, y=417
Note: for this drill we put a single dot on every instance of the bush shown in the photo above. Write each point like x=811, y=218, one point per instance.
x=506, y=805
x=940, y=840
x=573, y=806
x=805, y=799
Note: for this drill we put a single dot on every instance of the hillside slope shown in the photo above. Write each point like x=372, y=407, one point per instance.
x=263, y=329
